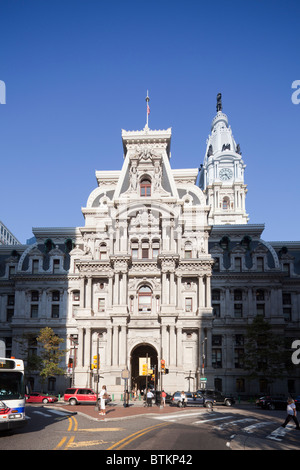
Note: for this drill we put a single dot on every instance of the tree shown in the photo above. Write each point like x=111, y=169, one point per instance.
x=264, y=351
x=51, y=354
x=27, y=351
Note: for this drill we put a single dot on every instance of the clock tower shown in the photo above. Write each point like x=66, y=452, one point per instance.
x=222, y=174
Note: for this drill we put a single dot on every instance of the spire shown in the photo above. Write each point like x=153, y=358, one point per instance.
x=222, y=173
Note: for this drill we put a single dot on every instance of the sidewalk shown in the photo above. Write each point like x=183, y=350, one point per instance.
x=115, y=410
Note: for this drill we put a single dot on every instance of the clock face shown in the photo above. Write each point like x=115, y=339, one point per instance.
x=225, y=174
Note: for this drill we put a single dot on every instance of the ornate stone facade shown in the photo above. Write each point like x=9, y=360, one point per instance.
x=163, y=267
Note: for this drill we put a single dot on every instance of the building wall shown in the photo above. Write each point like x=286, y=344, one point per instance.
x=148, y=276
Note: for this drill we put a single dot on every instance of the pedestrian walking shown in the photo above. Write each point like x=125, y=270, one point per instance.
x=183, y=399
x=103, y=396
x=149, y=397
x=163, y=395
x=291, y=413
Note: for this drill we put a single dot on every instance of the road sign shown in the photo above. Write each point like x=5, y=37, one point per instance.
x=125, y=374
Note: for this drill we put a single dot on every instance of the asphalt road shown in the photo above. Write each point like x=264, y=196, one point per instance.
x=52, y=428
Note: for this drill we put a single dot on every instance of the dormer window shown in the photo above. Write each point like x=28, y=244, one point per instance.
x=35, y=266
x=188, y=251
x=56, y=266
x=103, y=251
x=145, y=187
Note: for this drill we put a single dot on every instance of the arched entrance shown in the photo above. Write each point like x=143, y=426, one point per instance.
x=139, y=381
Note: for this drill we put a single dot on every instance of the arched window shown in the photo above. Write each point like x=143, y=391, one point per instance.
x=145, y=187
x=145, y=299
x=226, y=203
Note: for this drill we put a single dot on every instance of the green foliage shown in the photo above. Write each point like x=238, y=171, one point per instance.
x=264, y=351
x=51, y=353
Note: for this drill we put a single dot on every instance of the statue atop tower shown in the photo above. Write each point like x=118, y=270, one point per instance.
x=219, y=102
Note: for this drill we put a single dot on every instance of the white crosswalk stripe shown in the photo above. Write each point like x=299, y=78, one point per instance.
x=50, y=413
x=279, y=433
x=252, y=428
x=41, y=413
x=57, y=412
x=211, y=419
x=235, y=423
x=176, y=416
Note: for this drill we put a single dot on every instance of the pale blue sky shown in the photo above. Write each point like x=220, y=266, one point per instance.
x=77, y=72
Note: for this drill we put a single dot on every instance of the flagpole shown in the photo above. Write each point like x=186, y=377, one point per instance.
x=147, y=108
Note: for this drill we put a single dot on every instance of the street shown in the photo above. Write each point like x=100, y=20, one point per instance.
x=55, y=427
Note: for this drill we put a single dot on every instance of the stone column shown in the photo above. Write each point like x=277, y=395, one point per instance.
x=164, y=288
x=172, y=299
x=123, y=286
x=208, y=292
x=172, y=337
x=200, y=292
x=88, y=300
x=122, y=348
x=116, y=289
x=165, y=344
x=82, y=291
x=109, y=346
x=80, y=347
x=110, y=292
x=87, y=348
x=179, y=296
x=179, y=347
x=115, y=344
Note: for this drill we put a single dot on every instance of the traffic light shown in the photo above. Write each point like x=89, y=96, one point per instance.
x=70, y=363
x=163, y=366
x=95, y=364
x=145, y=369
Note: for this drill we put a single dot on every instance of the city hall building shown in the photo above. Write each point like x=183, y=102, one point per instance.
x=166, y=267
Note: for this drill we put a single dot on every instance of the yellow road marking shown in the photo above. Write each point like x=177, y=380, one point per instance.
x=72, y=421
x=70, y=424
x=124, y=442
x=70, y=442
x=85, y=443
x=100, y=429
x=61, y=443
x=75, y=423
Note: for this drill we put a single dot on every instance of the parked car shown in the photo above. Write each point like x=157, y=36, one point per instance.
x=157, y=397
x=272, y=402
x=219, y=397
x=78, y=395
x=39, y=398
x=192, y=399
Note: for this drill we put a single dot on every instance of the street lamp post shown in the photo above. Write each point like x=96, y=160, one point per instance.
x=202, y=361
x=97, y=374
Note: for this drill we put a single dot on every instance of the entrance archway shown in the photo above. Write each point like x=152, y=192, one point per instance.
x=139, y=381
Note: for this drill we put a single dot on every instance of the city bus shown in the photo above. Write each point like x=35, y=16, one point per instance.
x=12, y=394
